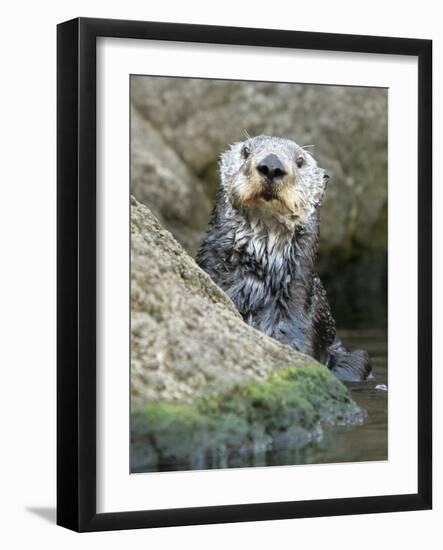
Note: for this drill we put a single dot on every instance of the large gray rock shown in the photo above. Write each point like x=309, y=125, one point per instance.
x=188, y=339
x=161, y=179
x=207, y=390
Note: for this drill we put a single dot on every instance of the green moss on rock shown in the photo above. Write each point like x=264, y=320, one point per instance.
x=287, y=411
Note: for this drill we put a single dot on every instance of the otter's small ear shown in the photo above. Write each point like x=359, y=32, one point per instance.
x=325, y=181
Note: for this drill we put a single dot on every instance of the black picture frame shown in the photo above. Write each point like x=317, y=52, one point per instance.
x=76, y=279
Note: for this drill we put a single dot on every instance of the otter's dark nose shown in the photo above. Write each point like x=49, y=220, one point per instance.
x=272, y=168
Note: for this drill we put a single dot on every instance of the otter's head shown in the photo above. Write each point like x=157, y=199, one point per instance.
x=272, y=178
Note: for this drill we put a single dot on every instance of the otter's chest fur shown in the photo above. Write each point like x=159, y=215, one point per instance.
x=268, y=273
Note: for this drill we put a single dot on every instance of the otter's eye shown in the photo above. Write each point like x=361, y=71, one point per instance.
x=300, y=161
x=246, y=152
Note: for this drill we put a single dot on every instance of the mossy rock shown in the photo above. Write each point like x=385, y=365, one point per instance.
x=286, y=412
x=188, y=339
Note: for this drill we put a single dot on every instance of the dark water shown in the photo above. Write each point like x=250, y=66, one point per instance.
x=358, y=443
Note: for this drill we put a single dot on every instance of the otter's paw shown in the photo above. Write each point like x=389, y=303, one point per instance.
x=350, y=366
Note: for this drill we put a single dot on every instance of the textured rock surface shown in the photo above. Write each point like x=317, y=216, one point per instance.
x=239, y=428
x=162, y=180
x=188, y=340
x=208, y=390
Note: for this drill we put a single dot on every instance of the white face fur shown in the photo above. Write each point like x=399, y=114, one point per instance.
x=290, y=199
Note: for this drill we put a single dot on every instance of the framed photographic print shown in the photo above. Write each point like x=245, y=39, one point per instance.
x=244, y=274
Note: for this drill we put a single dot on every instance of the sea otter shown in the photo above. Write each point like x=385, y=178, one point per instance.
x=261, y=249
